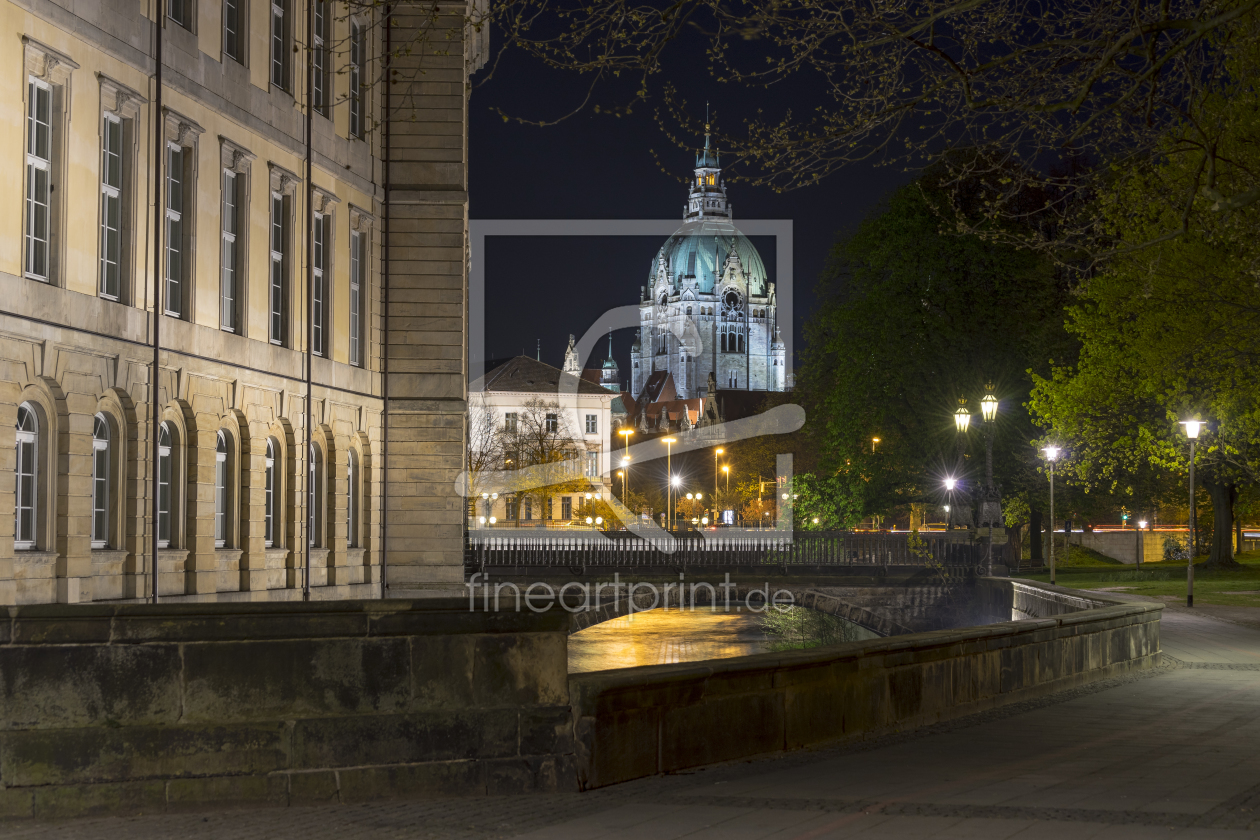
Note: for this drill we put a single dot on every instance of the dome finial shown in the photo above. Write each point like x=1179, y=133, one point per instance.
x=706, y=126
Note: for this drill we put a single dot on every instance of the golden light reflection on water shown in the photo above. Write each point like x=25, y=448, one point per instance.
x=660, y=637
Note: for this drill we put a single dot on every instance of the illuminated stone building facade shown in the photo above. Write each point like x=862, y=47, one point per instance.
x=355, y=266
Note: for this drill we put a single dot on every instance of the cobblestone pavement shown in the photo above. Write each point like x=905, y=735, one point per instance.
x=1172, y=753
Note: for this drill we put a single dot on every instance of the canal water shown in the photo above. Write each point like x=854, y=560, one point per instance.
x=660, y=637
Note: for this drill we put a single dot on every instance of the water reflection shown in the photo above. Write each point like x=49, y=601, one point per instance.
x=659, y=637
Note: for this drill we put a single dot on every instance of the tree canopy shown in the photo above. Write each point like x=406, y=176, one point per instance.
x=913, y=319
x=1172, y=332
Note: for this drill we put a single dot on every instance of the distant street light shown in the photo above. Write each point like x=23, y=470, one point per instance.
x=716, y=453
x=1052, y=455
x=874, y=441
x=669, y=471
x=1193, y=427
x=1139, y=526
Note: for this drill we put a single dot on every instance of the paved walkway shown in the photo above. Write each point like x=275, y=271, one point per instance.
x=1172, y=754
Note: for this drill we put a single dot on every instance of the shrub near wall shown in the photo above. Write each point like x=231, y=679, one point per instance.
x=141, y=708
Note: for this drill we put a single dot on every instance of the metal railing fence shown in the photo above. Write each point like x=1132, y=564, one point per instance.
x=593, y=550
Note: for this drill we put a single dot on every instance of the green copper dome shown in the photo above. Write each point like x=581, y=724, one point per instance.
x=699, y=249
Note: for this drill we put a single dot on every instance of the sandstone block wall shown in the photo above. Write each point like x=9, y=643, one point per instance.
x=637, y=722
x=140, y=708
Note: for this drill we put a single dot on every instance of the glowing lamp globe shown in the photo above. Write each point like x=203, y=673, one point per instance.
x=989, y=406
x=962, y=417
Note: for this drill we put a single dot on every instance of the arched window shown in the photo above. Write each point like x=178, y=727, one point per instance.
x=269, y=496
x=100, y=482
x=741, y=343
x=352, y=499
x=313, y=496
x=165, y=490
x=723, y=338
x=25, y=506
x=222, y=496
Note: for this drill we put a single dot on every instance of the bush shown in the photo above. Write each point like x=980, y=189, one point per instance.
x=1176, y=550
x=801, y=627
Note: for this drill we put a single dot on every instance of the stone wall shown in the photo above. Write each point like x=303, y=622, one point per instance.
x=141, y=708
x=639, y=722
x=1123, y=545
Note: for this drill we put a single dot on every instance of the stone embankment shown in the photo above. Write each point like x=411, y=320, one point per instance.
x=139, y=708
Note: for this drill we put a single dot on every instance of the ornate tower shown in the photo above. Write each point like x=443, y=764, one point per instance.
x=609, y=375
x=572, y=364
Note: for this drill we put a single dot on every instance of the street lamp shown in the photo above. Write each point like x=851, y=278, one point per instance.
x=874, y=441
x=991, y=502
x=716, y=453
x=1052, y=455
x=669, y=470
x=1141, y=525
x=962, y=417
x=726, y=468
x=1193, y=427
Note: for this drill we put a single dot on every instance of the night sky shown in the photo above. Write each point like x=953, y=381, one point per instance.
x=597, y=166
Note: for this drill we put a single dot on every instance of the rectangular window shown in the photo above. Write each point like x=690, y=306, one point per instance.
x=164, y=496
x=174, y=230
x=319, y=291
x=220, y=500
x=319, y=57
x=229, y=293
x=592, y=424
x=278, y=268
x=592, y=464
x=38, y=179
x=510, y=507
x=179, y=12
x=100, y=493
x=232, y=40
x=24, y=503
x=553, y=423
x=358, y=58
x=566, y=507
x=529, y=509
x=111, y=207
x=356, y=298
x=279, y=46
x=509, y=421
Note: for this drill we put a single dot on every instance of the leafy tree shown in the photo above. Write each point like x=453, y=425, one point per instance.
x=1173, y=332
x=912, y=319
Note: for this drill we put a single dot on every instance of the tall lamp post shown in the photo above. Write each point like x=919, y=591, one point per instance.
x=1193, y=427
x=950, y=484
x=991, y=504
x=1052, y=455
x=962, y=421
x=1141, y=524
x=669, y=481
x=716, y=453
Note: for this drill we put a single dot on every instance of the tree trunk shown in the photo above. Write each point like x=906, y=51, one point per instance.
x=1034, y=537
x=1014, y=545
x=1222, y=495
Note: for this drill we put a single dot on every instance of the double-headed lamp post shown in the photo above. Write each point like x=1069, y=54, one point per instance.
x=1052, y=455
x=669, y=472
x=1193, y=428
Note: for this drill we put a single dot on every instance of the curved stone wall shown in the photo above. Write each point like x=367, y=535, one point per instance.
x=638, y=722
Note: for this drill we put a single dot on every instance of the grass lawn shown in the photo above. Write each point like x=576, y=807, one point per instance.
x=1087, y=569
